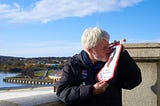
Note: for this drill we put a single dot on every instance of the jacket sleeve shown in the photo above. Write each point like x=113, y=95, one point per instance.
x=129, y=73
x=68, y=89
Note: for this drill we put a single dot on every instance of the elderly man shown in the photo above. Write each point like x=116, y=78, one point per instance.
x=79, y=85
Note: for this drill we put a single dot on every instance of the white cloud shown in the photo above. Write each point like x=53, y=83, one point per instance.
x=48, y=10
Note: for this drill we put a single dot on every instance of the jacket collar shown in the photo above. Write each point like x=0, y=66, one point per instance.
x=86, y=60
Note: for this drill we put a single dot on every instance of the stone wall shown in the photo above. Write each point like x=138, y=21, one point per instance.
x=147, y=56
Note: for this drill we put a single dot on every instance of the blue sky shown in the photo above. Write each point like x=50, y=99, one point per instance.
x=42, y=28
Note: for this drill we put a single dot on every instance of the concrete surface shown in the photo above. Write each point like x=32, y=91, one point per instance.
x=28, y=97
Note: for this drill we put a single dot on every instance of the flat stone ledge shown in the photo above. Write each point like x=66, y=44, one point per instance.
x=41, y=96
x=144, y=51
x=142, y=45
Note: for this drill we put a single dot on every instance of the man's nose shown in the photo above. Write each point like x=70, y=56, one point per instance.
x=108, y=49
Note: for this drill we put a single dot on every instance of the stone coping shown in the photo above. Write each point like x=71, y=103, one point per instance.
x=41, y=96
x=141, y=45
x=144, y=52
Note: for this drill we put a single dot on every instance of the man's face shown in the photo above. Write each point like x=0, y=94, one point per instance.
x=101, y=51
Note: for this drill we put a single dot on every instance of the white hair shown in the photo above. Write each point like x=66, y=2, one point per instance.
x=92, y=36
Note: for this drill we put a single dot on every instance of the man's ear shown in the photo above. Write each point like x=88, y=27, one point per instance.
x=89, y=50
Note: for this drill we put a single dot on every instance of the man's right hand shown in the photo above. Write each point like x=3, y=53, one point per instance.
x=100, y=87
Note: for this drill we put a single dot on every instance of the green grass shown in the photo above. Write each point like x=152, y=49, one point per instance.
x=41, y=73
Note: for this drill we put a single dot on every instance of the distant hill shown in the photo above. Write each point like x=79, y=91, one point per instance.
x=17, y=64
x=4, y=59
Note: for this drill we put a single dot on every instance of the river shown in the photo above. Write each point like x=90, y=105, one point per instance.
x=5, y=84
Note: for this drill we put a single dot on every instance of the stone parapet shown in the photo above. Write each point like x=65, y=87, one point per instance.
x=144, y=52
x=147, y=57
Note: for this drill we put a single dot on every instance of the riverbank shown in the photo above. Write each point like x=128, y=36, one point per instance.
x=29, y=81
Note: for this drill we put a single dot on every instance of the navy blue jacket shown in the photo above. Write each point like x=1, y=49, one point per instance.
x=75, y=87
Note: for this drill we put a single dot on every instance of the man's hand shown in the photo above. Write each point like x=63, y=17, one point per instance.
x=100, y=87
